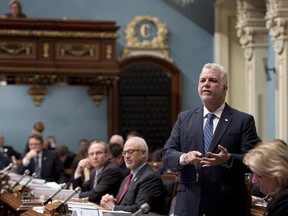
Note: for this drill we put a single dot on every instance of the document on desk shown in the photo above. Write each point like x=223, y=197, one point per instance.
x=97, y=212
x=114, y=213
x=86, y=212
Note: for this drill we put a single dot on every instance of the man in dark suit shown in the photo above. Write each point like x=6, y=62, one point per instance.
x=145, y=185
x=44, y=162
x=8, y=151
x=212, y=182
x=105, y=177
x=115, y=155
x=4, y=161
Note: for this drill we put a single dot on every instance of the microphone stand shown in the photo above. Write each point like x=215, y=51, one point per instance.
x=7, y=168
x=24, y=186
x=23, y=176
x=64, y=185
x=60, y=208
x=144, y=208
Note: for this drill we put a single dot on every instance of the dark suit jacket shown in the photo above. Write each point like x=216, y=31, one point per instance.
x=220, y=191
x=146, y=187
x=10, y=151
x=51, y=170
x=108, y=181
x=279, y=205
x=4, y=161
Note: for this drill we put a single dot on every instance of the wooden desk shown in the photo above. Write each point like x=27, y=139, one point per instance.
x=30, y=212
x=257, y=210
x=14, y=206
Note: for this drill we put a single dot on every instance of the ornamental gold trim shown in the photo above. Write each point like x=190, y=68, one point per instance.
x=38, y=93
x=158, y=42
x=68, y=71
x=58, y=34
x=16, y=49
x=156, y=47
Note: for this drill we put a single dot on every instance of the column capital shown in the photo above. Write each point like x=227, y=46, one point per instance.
x=251, y=28
x=276, y=21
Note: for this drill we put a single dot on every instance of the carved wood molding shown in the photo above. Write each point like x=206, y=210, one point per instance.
x=41, y=52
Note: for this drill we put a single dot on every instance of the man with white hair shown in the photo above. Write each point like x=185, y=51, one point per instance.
x=141, y=186
x=116, y=138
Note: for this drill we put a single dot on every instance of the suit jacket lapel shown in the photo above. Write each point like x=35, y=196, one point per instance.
x=198, y=128
x=223, y=124
x=43, y=161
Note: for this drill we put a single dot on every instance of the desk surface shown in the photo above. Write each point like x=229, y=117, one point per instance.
x=16, y=204
x=257, y=210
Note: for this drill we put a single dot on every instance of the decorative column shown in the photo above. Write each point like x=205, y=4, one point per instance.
x=252, y=34
x=276, y=21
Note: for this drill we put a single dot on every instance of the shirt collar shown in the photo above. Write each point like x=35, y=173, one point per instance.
x=134, y=172
x=99, y=171
x=217, y=113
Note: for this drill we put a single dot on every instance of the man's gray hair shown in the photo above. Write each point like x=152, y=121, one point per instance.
x=221, y=69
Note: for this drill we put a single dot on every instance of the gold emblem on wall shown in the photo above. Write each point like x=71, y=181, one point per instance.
x=146, y=35
x=38, y=92
x=97, y=92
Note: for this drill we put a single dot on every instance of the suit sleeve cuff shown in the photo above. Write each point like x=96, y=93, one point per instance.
x=229, y=163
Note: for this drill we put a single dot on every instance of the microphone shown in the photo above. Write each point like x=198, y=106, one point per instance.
x=10, y=166
x=77, y=190
x=24, y=186
x=6, y=174
x=62, y=186
x=25, y=174
x=144, y=208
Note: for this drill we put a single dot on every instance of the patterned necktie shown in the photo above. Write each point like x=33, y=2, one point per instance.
x=125, y=187
x=208, y=132
x=95, y=179
x=37, y=167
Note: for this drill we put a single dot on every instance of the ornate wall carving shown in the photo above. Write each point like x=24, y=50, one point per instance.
x=252, y=33
x=276, y=21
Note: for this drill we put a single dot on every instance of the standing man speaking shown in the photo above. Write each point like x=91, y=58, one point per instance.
x=207, y=146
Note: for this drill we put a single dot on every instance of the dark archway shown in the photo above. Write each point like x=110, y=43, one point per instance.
x=148, y=98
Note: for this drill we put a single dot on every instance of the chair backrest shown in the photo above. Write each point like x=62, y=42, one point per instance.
x=170, y=181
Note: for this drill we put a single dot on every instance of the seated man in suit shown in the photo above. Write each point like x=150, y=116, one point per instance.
x=45, y=163
x=4, y=161
x=116, y=138
x=105, y=176
x=141, y=186
x=8, y=150
x=115, y=155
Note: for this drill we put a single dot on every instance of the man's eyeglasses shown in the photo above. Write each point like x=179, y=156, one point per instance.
x=131, y=151
x=96, y=153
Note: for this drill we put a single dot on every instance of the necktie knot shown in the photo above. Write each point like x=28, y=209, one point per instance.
x=210, y=116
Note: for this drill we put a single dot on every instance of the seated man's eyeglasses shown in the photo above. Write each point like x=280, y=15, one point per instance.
x=131, y=151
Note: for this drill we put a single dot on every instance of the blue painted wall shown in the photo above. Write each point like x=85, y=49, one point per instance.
x=191, y=44
x=271, y=90
x=67, y=112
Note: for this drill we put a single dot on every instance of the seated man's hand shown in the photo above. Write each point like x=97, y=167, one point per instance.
x=107, y=201
x=31, y=154
x=84, y=163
